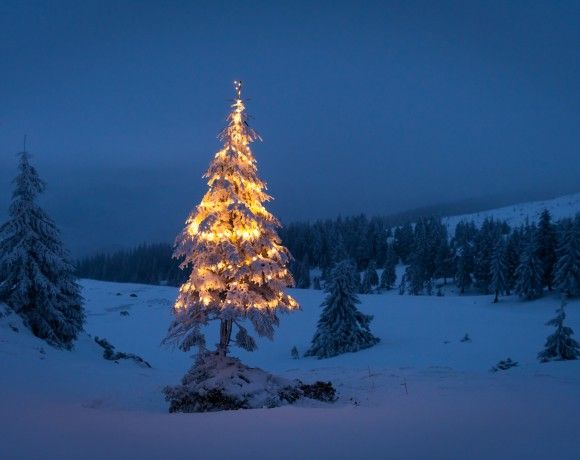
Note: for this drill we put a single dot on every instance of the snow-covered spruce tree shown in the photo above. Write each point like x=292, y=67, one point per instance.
x=513, y=255
x=389, y=275
x=36, y=278
x=567, y=269
x=231, y=243
x=238, y=272
x=546, y=243
x=529, y=273
x=303, y=273
x=341, y=327
x=498, y=267
x=463, y=242
x=444, y=261
x=370, y=278
x=560, y=345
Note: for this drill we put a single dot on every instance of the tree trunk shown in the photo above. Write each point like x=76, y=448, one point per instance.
x=225, y=335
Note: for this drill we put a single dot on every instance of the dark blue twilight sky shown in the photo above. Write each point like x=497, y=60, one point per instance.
x=363, y=106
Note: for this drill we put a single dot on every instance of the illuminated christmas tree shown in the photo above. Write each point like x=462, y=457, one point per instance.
x=230, y=241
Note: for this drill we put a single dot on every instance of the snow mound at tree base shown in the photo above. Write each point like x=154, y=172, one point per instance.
x=217, y=383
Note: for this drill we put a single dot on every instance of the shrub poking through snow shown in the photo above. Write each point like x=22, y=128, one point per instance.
x=341, y=327
x=110, y=354
x=294, y=352
x=218, y=382
x=504, y=365
x=560, y=346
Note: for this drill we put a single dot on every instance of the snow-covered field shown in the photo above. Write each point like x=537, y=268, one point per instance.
x=420, y=394
x=517, y=214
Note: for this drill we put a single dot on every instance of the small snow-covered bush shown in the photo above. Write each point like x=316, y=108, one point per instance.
x=218, y=382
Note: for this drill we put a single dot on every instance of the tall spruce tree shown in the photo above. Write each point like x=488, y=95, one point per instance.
x=498, y=269
x=370, y=278
x=529, y=273
x=463, y=243
x=560, y=345
x=239, y=266
x=37, y=280
x=341, y=327
x=513, y=253
x=464, y=267
x=404, y=242
x=567, y=269
x=389, y=275
x=302, y=273
x=546, y=244
x=444, y=261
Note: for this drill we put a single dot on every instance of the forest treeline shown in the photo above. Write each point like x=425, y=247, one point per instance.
x=491, y=258
x=145, y=264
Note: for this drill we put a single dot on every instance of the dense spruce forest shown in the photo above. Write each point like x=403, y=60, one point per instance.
x=491, y=258
x=146, y=264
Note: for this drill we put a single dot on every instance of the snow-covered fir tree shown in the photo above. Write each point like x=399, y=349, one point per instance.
x=370, y=278
x=342, y=328
x=513, y=256
x=529, y=273
x=567, y=269
x=463, y=242
x=302, y=273
x=389, y=275
x=37, y=280
x=546, y=244
x=464, y=266
x=444, y=261
x=404, y=240
x=498, y=268
x=239, y=266
x=560, y=345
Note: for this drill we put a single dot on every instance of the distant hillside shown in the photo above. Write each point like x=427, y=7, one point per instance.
x=517, y=214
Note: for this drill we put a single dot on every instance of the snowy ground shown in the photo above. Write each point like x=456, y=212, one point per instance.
x=419, y=394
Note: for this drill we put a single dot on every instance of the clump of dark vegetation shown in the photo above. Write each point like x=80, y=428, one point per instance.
x=504, y=365
x=110, y=354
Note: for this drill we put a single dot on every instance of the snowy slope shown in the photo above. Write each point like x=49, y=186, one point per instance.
x=421, y=393
x=517, y=214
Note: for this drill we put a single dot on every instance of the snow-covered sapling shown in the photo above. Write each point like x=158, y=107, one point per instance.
x=560, y=345
x=341, y=327
x=37, y=280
